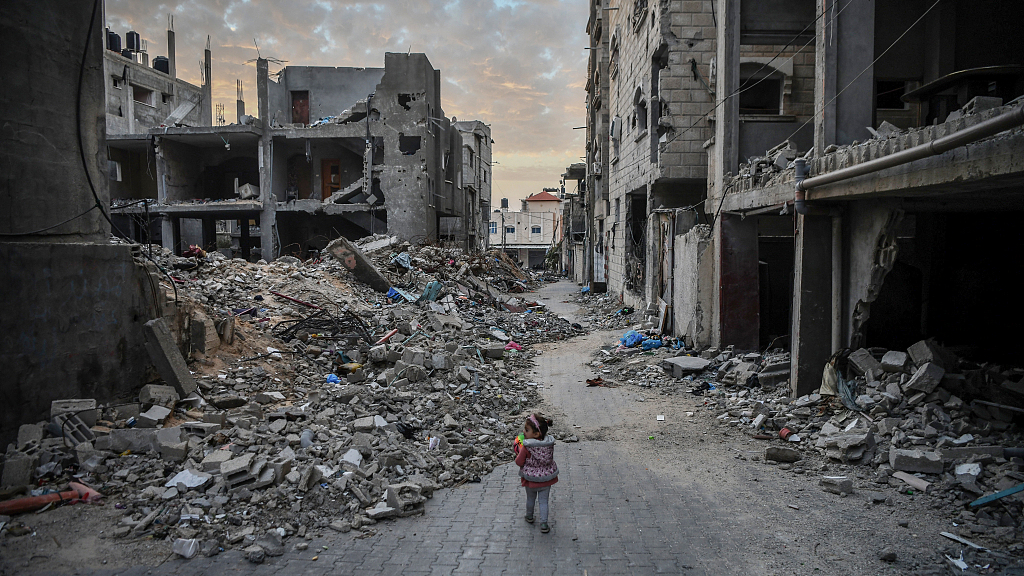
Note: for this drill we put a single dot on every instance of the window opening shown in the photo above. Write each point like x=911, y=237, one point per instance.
x=510, y=229
x=142, y=95
x=535, y=230
x=408, y=145
x=492, y=227
x=760, y=90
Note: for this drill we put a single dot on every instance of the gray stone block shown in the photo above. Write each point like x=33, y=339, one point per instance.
x=915, y=461
x=782, y=454
x=29, y=433
x=154, y=416
x=837, y=485
x=134, y=439
x=357, y=263
x=895, y=361
x=927, y=378
x=861, y=361
x=18, y=470
x=682, y=365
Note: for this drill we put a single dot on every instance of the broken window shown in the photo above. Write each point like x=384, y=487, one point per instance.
x=142, y=95
x=408, y=145
x=760, y=89
x=641, y=109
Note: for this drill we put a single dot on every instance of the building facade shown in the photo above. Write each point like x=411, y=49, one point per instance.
x=476, y=181
x=333, y=151
x=528, y=234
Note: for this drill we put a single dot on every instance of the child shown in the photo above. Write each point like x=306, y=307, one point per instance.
x=535, y=456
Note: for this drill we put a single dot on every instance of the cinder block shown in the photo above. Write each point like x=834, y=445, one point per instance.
x=18, y=470
x=73, y=428
x=861, y=361
x=154, y=416
x=157, y=394
x=84, y=408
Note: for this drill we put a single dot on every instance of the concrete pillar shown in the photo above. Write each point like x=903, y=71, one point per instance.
x=243, y=238
x=268, y=217
x=171, y=70
x=738, y=295
x=726, y=148
x=845, y=47
x=239, y=110
x=811, y=334
x=207, y=86
x=209, y=234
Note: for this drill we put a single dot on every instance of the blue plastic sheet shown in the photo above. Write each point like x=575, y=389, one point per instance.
x=651, y=344
x=333, y=379
x=631, y=339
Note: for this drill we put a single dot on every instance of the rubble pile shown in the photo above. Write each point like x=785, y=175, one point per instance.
x=404, y=264
x=919, y=420
x=317, y=403
x=605, y=313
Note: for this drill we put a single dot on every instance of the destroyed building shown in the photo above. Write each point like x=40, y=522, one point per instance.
x=350, y=151
x=878, y=221
x=892, y=223
x=648, y=94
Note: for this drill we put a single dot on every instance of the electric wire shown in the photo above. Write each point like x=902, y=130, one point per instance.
x=81, y=145
x=868, y=67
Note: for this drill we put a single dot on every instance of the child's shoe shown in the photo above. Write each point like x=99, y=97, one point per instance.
x=544, y=528
x=529, y=519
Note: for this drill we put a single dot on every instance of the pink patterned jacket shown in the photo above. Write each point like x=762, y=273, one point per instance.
x=536, y=460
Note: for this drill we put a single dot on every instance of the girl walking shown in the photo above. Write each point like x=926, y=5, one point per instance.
x=535, y=456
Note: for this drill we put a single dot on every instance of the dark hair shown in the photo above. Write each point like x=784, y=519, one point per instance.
x=544, y=423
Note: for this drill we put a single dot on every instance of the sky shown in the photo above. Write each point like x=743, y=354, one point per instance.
x=518, y=65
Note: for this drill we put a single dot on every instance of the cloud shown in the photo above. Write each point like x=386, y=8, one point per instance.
x=518, y=65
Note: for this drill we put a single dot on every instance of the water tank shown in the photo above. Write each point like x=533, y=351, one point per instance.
x=113, y=41
x=132, y=41
x=504, y=203
x=162, y=64
x=127, y=54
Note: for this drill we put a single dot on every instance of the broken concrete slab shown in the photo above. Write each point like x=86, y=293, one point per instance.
x=682, y=365
x=915, y=461
x=356, y=262
x=913, y=481
x=167, y=358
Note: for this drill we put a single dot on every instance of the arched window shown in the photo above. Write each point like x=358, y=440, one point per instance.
x=762, y=88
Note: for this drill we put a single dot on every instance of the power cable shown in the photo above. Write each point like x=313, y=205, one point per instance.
x=81, y=146
x=41, y=230
x=868, y=67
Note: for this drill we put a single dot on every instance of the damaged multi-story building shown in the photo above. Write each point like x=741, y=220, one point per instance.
x=648, y=97
x=893, y=219
x=333, y=152
x=862, y=163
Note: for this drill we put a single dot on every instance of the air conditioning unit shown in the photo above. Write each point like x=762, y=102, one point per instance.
x=595, y=169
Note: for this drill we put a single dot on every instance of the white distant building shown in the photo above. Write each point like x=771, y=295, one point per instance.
x=526, y=235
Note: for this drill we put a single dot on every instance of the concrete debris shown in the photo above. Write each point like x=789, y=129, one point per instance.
x=331, y=405
x=924, y=420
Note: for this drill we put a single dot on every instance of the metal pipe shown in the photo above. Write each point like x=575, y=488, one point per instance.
x=984, y=129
